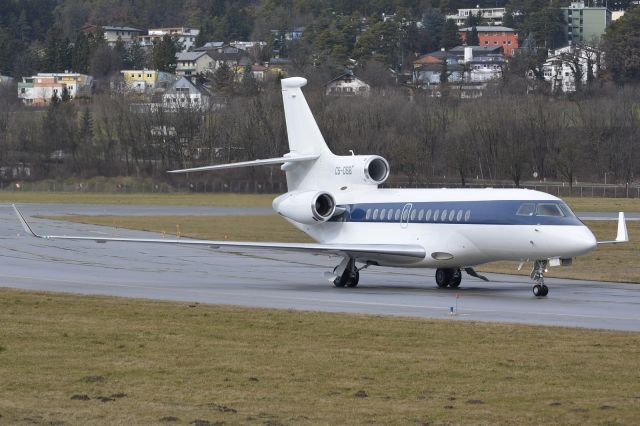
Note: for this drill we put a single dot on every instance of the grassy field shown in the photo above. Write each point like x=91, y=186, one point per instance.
x=68, y=359
x=608, y=263
x=248, y=200
x=180, y=199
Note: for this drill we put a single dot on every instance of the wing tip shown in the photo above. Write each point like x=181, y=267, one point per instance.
x=23, y=222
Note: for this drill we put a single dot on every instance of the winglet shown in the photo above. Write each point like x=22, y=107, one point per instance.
x=623, y=235
x=24, y=223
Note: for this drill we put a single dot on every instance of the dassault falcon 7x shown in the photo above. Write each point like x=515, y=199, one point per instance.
x=336, y=200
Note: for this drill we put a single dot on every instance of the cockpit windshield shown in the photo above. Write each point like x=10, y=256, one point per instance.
x=544, y=209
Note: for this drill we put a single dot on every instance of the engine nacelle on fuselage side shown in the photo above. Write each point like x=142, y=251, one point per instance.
x=360, y=169
x=308, y=207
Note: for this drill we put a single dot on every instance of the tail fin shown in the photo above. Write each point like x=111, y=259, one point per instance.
x=309, y=154
x=303, y=132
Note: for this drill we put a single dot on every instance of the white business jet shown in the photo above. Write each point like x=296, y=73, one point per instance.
x=336, y=200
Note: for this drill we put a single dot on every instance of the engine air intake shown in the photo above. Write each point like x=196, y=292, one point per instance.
x=377, y=170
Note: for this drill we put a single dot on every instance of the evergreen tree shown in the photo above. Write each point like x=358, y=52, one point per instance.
x=472, y=37
x=57, y=51
x=81, y=55
x=621, y=49
x=164, y=54
x=450, y=36
x=433, y=22
x=65, y=96
x=135, y=57
x=223, y=78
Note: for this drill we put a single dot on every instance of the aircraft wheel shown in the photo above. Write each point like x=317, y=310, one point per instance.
x=545, y=290
x=538, y=290
x=353, y=280
x=339, y=282
x=456, y=279
x=443, y=277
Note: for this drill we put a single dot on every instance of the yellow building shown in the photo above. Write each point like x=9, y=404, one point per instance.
x=143, y=80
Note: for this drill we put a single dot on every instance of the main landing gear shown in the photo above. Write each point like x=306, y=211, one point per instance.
x=537, y=275
x=349, y=276
x=448, y=277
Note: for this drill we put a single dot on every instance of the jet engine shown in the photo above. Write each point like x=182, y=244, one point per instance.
x=361, y=169
x=309, y=207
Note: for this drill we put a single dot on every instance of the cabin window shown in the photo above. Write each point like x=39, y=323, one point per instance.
x=444, y=215
x=467, y=215
x=389, y=214
x=405, y=214
x=368, y=215
x=436, y=215
x=452, y=214
x=420, y=215
x=526, y=209
x=414, y=212
x=459, y=216
x=427, y=217
x=549, y=210
x=397, y=215
x=375, y=214
x=383, y=213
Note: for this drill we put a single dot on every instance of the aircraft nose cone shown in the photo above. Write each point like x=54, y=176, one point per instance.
x=585, y=240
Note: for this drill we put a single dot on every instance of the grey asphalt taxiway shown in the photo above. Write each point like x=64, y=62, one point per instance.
x=282, y=280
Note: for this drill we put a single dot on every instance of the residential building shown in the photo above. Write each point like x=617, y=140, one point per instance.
x=568, y=65
x=490, y=15
x=112, y=34
x=494, y=36
x=185, y=94
x=585, y=24
x=347, y=84
x=40, y=88
x=193, y=63
x=617, y=14
x=185, y=36
x=142, y=81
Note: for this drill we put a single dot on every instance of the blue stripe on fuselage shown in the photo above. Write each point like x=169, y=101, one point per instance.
x=480, y=213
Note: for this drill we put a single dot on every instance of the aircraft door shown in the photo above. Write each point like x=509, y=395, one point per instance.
x=404, y=217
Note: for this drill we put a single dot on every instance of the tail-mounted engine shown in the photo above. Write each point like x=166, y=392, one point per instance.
x=361, y=169
x=309, y=207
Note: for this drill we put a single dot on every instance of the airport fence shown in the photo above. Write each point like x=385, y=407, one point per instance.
x=266, y=187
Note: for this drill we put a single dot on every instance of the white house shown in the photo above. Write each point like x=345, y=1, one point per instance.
x=192, y=63
x=564, y=65
x=40, y=88
x=490, y=15
x=185, y=36
x=347, y=84
x=112, y=34
x=184, y=94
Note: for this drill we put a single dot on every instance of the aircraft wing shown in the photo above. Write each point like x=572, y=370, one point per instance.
x=411, y=253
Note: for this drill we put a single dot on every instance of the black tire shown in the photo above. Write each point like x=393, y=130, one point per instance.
x=545, y=290
x=443, y=277
x=339, y=282
x=353, y=280
x=537, y=290
x=456, y=279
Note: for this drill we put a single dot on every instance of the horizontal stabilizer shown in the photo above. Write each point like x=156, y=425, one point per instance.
x=623, y=235
x=412, y=253
x=265, y=162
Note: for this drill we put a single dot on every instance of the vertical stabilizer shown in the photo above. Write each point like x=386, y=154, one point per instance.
x=302, y=129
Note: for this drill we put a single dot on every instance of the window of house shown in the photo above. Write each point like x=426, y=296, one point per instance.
x=509, y=42
x=486, y=42
x=486, y=33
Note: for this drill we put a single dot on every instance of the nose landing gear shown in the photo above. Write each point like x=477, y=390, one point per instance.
x=537, y=275
x=349, y=276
